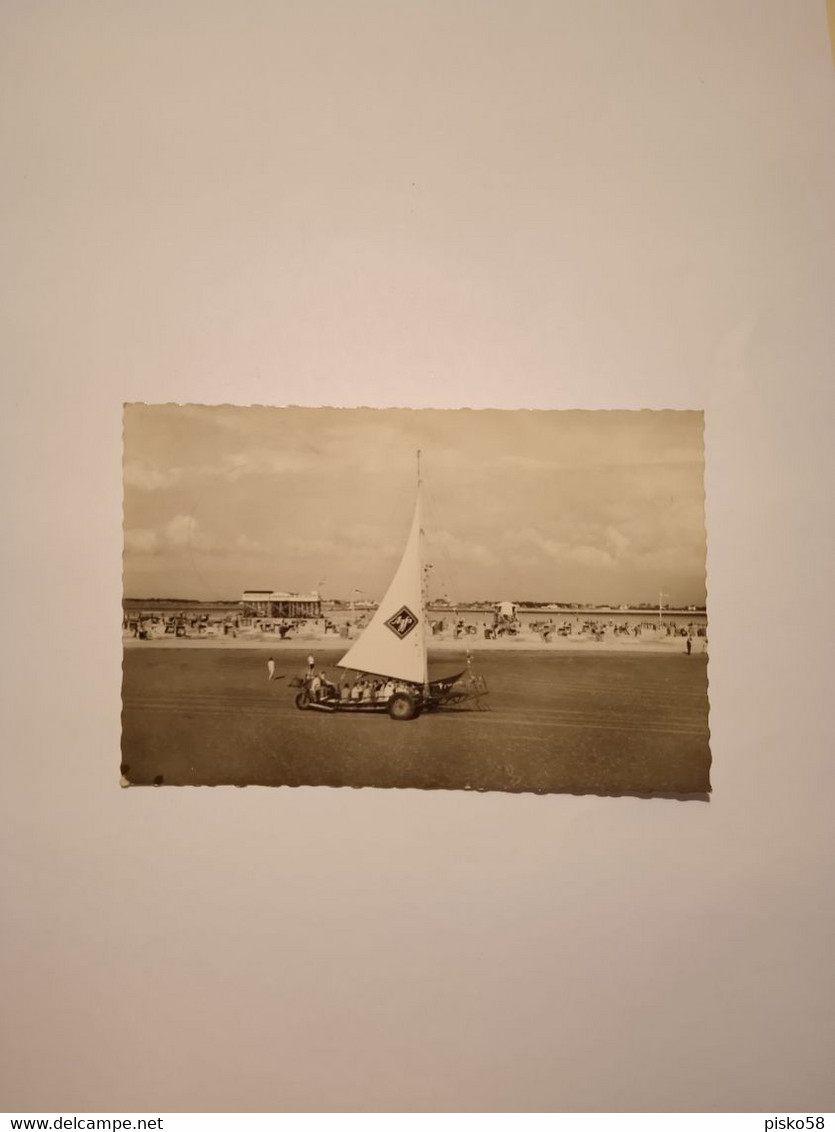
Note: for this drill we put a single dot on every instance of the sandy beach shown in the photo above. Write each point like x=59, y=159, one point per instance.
x=522, y=643
x=597, y=723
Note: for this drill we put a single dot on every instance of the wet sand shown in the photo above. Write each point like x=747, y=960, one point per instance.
x=559, y=721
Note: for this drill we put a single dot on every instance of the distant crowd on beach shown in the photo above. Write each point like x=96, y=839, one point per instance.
x=158, y=625
x=579, y=627
x=548, y=630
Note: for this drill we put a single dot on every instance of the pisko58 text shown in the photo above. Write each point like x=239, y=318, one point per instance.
x=779, y=1122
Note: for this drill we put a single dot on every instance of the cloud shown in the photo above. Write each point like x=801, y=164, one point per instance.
x=617, y=542
x=142, y=541
x=578, y=553
x=606, y=501
x=141, y=475
x=312, y=547
x=449, y=546
x=257, y=462
x=184, y=532
x=234, y=466
x=180, y=532
x=249, y=545
x=357, y=542
x=528, y=463
x=590, y=556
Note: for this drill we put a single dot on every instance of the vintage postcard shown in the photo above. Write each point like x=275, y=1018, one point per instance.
x=448, y=599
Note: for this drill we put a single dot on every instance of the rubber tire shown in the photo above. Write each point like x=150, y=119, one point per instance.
x=403, y=706
x=303, y=701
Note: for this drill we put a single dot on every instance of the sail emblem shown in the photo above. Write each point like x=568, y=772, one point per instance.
x=402, y=622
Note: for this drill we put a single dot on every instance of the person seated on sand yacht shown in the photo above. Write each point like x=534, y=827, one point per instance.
x=344, y=691
x=387, y=691
x=356, y=691
x=315, y=688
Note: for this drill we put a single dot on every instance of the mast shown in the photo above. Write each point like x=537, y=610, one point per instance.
x=424, y=595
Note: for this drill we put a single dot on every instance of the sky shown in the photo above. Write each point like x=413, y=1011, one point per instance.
x=572, y=506
x=449, y=203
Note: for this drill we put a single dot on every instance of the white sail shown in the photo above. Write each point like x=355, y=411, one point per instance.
x=394, y=642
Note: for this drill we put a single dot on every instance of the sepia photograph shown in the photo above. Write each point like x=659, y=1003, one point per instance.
x=487, y=600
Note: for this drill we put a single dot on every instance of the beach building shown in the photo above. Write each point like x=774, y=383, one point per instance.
x=277, y=603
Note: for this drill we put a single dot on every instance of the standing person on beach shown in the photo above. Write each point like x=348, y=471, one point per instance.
x=271, y=669
x=689, y=646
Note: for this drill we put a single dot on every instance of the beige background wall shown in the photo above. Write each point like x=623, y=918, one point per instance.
x=536, y=204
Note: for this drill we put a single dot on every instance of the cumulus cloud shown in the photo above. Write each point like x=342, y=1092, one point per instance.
x=249, y=545
x=184, y=532
x=549, y=548
x=231, y=467
x=141, y=540
x=258, y=462
x=359, y=541
x=608, y=504
x=460, y=550
x=617, y=542
x=141, y=475
x=313, y=547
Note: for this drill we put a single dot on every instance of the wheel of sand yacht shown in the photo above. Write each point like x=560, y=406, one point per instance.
x=303, y=700
x=403, y=706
